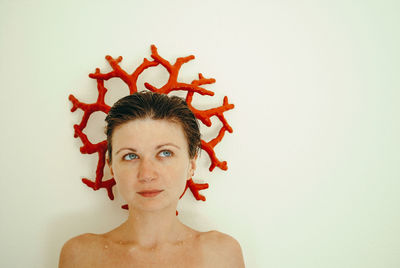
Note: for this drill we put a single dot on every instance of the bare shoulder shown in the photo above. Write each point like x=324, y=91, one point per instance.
x=76, y=251
x=222, y=250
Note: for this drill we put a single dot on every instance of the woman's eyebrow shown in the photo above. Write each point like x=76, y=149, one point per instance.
x=126, y=148
x=168, y=144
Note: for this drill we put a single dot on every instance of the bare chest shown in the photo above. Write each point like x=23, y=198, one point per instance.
x=183, y=256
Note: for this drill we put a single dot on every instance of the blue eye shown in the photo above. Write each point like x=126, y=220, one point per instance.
x=130, y=156
x=165, y=153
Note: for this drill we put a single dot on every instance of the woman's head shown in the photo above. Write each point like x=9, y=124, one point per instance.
x=155, y=106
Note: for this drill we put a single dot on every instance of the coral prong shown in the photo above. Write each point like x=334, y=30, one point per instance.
x=195, y=188
x=195, y=87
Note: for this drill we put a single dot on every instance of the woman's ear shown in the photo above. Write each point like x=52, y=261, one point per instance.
x=192, y=167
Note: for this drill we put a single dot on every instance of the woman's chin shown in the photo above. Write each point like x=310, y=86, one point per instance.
x=152, y=206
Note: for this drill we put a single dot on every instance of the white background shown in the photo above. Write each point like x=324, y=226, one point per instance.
x=314, y=160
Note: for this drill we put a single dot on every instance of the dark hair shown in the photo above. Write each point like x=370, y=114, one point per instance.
x=152, y=105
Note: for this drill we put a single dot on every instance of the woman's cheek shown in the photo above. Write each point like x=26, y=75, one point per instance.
x=124, y=181
x=182, y=179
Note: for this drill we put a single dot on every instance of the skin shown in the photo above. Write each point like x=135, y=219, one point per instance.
x=151, y=154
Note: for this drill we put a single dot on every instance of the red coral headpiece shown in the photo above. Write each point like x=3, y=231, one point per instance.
x=172, y=85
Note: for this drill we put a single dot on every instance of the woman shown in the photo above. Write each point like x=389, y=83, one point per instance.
x=153, y=141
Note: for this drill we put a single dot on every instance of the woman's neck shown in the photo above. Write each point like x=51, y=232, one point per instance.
x=154, y=229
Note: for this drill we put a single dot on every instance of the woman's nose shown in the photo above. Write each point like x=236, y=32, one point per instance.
x=147, y=170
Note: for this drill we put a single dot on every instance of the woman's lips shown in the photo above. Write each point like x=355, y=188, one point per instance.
x=150, y=193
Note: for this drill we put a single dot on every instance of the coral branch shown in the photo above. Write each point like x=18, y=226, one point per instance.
x=173, y=70
x=195, y=188
x=205, y=115
x=203, y=81
x=209, y=148
x=99, y=148
x=159, y=59
x=130, y=80
x=104, y=184
x=145, y=64
x=172, y=85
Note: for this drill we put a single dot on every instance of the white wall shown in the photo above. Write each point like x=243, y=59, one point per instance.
x=313, y=177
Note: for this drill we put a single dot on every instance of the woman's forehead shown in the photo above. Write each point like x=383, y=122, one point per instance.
x=150, y=124
x=150, y=132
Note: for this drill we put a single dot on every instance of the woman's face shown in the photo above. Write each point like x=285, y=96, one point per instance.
x=150, y=155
